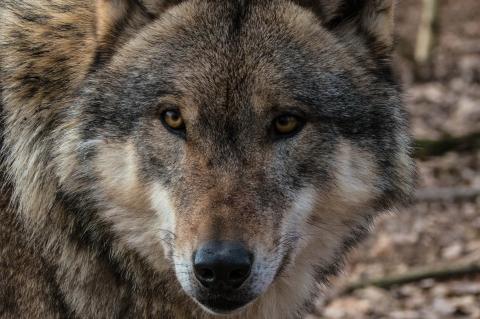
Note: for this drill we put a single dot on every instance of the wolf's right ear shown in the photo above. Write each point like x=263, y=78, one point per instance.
x=371, y=20
x=116, y=20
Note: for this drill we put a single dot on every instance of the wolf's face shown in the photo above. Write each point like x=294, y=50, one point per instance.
x=244, y=144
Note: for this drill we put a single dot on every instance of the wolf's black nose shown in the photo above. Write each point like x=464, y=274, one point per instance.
x=222, y=265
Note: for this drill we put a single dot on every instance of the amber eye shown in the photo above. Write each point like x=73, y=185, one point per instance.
x=287, y=124
x=173, y=120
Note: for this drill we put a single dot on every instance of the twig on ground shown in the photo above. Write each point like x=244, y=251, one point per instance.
x=428, y=148
x=449, y=194
x=415, y=276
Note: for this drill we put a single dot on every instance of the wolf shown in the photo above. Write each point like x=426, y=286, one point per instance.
x=192, y=159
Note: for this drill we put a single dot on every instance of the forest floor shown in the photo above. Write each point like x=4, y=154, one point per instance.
x=439, y=233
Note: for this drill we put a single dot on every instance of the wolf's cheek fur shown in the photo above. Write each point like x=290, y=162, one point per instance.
x=323, y=217
x=325, y=220
x=356, y=177
x=139, y=213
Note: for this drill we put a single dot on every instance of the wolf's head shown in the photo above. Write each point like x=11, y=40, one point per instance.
x=244, y=144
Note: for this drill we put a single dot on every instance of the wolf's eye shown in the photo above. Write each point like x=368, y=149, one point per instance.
x=287, y=125
x=173, y=120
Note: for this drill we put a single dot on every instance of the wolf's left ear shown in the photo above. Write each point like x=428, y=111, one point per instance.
x=116, y=20
x=114, y=16
x=370, y=19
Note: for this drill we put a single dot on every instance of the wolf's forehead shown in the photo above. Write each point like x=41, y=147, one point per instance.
x=220, y=57
x=213, y=33
x=253, y=64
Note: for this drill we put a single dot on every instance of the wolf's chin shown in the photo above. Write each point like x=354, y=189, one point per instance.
x=215, y=311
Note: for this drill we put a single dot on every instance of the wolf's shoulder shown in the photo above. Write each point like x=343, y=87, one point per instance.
x=26, y=288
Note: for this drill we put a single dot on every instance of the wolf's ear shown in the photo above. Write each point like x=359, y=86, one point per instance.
x=370, y=19
x=116, y=20
x=113, y=16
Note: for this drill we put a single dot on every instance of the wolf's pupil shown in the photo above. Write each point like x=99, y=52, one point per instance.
x=286, y=124
x=174, y=120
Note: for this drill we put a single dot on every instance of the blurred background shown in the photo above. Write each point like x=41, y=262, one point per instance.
x=424, y=261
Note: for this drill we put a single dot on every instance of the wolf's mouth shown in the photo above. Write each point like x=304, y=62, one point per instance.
x=222, y=305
